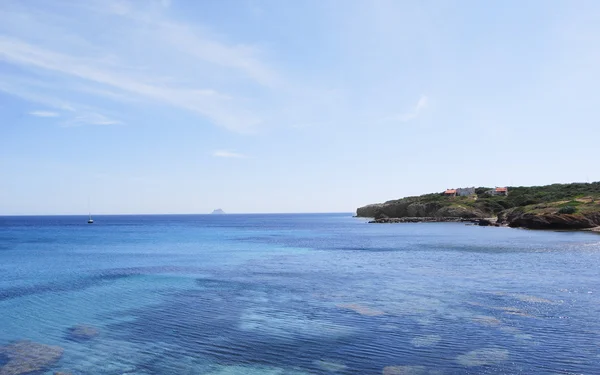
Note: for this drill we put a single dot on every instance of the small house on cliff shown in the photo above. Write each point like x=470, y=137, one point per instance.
x=465, y=192
x=501, y=191
x=460, y=192
x=450, y=193
x=498, y=191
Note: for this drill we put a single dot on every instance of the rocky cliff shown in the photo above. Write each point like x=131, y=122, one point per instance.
x=519, y=218
x=413, y=207
x=370, y=210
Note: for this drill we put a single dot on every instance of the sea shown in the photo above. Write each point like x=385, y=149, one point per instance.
x=294, y=294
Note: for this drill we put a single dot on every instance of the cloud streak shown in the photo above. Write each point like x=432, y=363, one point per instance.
x=417, y=110
x=44, y=114
x=91, y=119
x=175, y=64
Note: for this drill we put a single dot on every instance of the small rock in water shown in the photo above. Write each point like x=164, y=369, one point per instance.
x=82, y=332
x=481, y=357
x=28, y=356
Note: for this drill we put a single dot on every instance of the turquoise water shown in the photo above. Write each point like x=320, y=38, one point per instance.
x=299, y=294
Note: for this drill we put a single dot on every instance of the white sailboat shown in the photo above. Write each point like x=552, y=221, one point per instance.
x=90, y=220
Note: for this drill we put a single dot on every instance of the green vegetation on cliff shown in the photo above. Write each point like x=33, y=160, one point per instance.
x=575, y=205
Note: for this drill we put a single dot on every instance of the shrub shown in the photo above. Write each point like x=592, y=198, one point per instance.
x=567, y=210
x=488, y=205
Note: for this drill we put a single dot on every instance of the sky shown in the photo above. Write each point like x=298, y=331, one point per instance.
x=183, y=106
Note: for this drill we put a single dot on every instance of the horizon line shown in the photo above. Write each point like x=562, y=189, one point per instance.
x=183, y=214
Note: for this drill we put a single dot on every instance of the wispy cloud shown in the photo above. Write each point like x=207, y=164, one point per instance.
x=175, y=65
x=416, y=111
x=30, y=91
x=91, y=119
x=44, y=114
x=228, y=154
x=218, y=107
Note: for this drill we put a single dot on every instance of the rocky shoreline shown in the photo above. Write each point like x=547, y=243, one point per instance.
x=431, y=219
x=489, y=222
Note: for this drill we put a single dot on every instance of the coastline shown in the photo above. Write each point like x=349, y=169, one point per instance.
x=482, y=222
x=574, y=206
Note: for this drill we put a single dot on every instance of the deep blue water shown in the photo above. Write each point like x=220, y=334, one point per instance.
x=300, y=294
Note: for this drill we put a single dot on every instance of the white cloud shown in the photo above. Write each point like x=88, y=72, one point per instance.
x=210, y=103
x=228, y=154
x=174, y=63
x=91, y=119
x=26, y=90
x=422, y=103
x=44, y=114
x=417, y=110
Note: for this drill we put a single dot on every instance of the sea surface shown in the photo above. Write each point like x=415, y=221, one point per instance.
x=295, y=294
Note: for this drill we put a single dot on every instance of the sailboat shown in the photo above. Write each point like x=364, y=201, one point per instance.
x=90, y=220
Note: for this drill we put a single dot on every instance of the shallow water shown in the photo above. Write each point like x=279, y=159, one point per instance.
x=299, y=294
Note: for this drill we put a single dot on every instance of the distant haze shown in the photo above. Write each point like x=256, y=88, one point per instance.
x=312, y=106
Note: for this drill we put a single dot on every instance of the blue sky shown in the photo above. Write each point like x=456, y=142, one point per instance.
x=279, y=106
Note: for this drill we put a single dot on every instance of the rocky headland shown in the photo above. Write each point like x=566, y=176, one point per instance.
x=559, y=206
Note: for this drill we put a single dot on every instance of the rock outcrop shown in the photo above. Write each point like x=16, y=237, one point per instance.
x=82, y=332
x=422, y=219
x=369, y=210
x=410, y=208
x=25, y=357
x=533, y=220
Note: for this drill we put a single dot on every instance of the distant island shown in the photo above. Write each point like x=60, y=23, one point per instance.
x=556, y=206
x=218, y=211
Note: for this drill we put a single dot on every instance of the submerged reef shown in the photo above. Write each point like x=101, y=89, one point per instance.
x=27, y=356
x=82, y=332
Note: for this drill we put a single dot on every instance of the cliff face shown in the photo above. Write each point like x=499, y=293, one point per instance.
x=413, y=208
x=369, y=210
x=550, y=220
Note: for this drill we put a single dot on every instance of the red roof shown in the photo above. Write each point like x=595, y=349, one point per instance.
x=450, y=191
x=499, y=189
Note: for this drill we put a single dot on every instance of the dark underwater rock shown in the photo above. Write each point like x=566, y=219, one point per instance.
x=28, y=356
x=82, y=332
